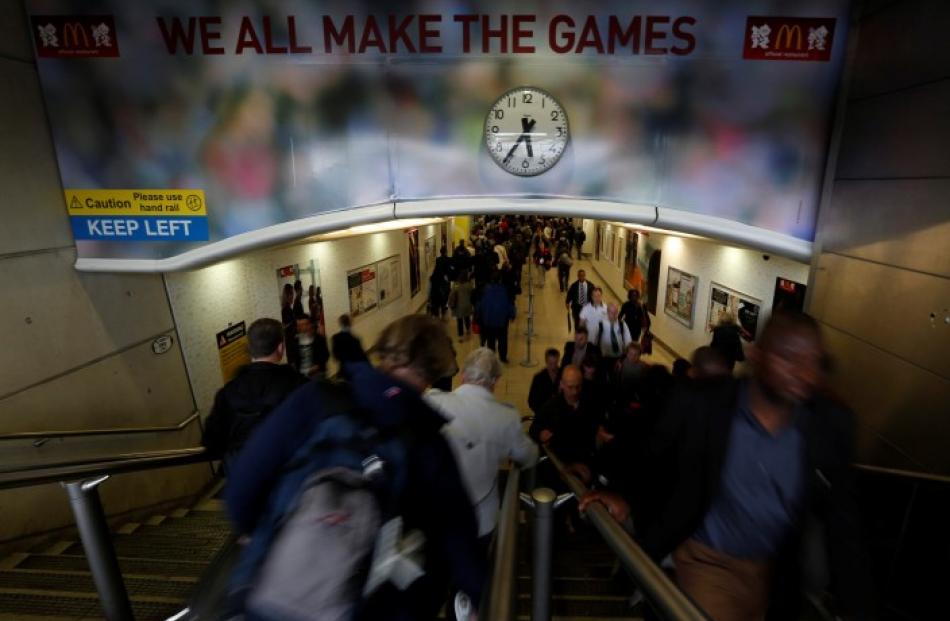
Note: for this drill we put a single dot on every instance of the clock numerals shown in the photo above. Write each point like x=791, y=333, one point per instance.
x=494, y=129
x=527, y=98
x=499, y=113
x=524, y=163
x=560, y=131
x=555, y=115
x=512, y=102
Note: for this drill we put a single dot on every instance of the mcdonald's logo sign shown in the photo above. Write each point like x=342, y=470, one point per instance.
x=74, y=36
x=788, y=38
x=785, y=41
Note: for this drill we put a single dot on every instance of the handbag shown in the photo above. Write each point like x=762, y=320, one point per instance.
x=646, y=343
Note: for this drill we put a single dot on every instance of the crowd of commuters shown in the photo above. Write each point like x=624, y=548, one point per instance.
x=726, y=480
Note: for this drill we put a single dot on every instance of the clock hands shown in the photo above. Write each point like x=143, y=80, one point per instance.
x=526, y=128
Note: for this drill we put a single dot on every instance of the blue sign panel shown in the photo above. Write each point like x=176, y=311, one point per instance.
x=140, y=228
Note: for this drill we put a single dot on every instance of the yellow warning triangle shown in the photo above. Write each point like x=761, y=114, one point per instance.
x=75, y=204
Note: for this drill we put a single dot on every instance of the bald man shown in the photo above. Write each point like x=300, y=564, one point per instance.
x=566, y=424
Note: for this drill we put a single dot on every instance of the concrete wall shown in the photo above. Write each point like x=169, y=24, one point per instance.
x=76, y=348
x=882, y=267
x=738, y=269
x=208, y=300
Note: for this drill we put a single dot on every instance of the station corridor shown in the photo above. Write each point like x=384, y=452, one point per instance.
x=550, y=330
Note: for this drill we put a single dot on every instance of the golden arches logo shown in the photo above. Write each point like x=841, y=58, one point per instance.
x=71, y=34
x=785, y=34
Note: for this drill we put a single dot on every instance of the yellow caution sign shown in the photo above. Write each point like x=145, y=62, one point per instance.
x=232, y=350
x=136, y=202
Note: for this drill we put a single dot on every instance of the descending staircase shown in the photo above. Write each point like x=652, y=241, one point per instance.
x=161, y=560
x=587, y=582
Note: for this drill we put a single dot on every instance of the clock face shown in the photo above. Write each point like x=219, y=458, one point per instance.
x=526, y=131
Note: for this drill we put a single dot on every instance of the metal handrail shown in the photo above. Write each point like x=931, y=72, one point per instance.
x=498, y=602
x=73, y=433
x=105, y=465
x=905, y=474
x=662, y=593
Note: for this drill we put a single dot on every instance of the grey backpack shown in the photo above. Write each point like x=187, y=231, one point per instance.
x=337, y=537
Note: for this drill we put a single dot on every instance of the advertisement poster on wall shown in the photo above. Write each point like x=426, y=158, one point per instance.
x=632, y=274
x=229, y=88
x=789, y=296
x=389, y=272
x=361, y=284
x=307, y=301
x=415, y=278
x=729, y=306
x=430, y=253
x=680, y=296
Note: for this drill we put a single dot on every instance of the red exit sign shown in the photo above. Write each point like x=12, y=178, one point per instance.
x=74, y=36
x=788, y=38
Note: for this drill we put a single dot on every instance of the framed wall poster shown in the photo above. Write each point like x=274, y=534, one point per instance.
x=632, y=274
x=362, y=287
x=415, y=278
x=618, y=250
x=789, y=295
x=389, y=273
x=680, y=296
x=430, y=253
x=729, y=305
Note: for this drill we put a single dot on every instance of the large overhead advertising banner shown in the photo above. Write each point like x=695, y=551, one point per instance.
x=181, y=124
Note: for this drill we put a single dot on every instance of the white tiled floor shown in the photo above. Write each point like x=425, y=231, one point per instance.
x=550, y=330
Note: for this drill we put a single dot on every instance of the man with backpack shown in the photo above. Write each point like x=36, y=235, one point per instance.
x=352, y=499
x=257, y=389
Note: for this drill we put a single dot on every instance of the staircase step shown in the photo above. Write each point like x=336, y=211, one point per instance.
x=81, y=582
x=155, y=520
x=580, y=586
x=129, y=566
x=612, y=606
x=23, y=605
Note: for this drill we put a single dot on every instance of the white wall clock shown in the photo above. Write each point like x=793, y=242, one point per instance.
x=526, y=131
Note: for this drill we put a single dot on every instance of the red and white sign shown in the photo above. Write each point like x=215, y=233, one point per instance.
x=75, y=36
x=788, y=38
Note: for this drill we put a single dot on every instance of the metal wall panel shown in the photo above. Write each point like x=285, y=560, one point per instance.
x=905, y=223
x=134, y=388
x=14, y=33
x=886, y=306
x=900, y=45
x=34, y=212
x=58, y=319
x=904, y=404
x=36, y=509
x=902, y=134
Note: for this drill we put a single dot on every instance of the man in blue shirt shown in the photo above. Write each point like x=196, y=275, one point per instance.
x=750, y=463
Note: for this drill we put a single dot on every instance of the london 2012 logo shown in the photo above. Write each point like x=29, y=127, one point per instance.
x=788, y=38
x=74, y=36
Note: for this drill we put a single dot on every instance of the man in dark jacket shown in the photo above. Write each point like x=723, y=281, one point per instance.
x=578, y=294
x=565, y=424
x=544, y=384
x=495, y=309
x=345, y=345
x=256, y=390
x=754, y=466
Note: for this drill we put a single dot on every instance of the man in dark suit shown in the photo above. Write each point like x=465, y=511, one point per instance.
x=346, y=347
x=750, y=464
x=544, y=384
x=579, y=294
x=575, y=351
